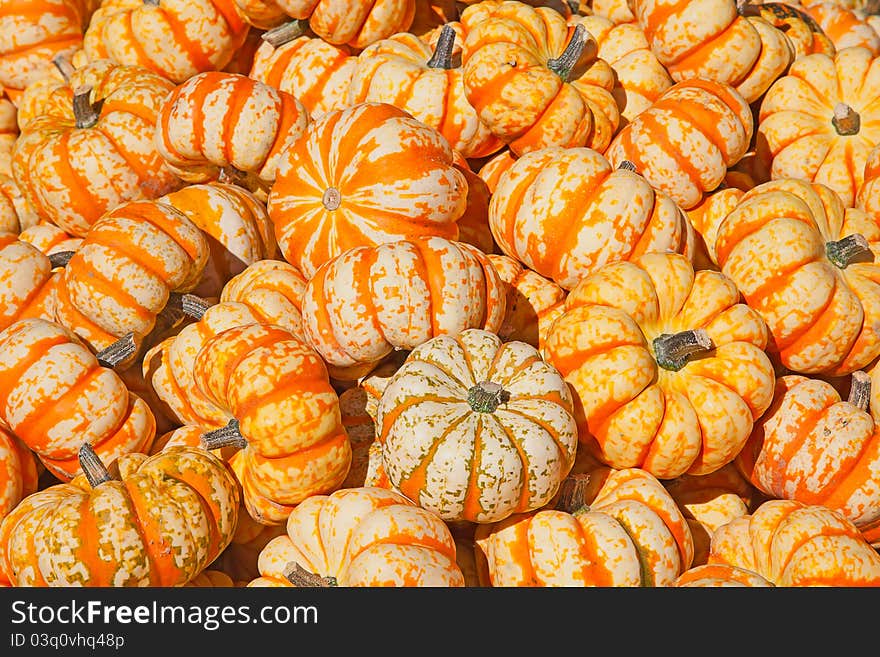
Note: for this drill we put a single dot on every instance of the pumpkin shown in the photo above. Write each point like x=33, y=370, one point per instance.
x=475, y=429
x=790, y=543
x=818, y=121
x=262, y=14
x=50, y=239
x=491, y=169
x=814, y=447
x=125, y=270
x=845, y=27
x=160, y=522
x=617, y=11
x=218, y=120
x=56, y=395
x=357, y=24
x=368, y=301
x=626, y=531
x=175, y=38
x=8, y=131
x=712, y=40
x=473, y=225
x=803, y=263
x=236, y=226
x=387, y=177
x=273, y=290
x=666, y=364
x=684, y=143
x=33, y=32
x=92, y=147
x=804, y=33
x=18, y=472
x=639, y=77
x=432, y=15
x=239, y=559
x=532, y=301
x=26, y=281
x=533, y=80
x=361, y=536
x=720, y=575
x=294, y=60
x=559, y=212
x=436, y=93
x=283, y=414
x=211, y=578
x=16, y=213
x=705, y=217
x=868, y=194
x=361, y=430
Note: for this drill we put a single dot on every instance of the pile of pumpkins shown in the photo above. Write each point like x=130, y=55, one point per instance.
x=431, y=293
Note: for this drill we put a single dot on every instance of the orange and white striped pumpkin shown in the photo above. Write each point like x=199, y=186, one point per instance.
x=386, y=177
x=356, y=23
x=362, y=536
x=18, y=472
x=475, y=429
x=369, y=301
x=720, y=575
x=626, y=343
x=560, y=212
x=26, y=281
x=843, y=25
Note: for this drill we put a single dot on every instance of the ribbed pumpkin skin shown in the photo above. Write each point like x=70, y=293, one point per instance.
x=694, y=420
x=176, y=38
x=278, y=389
x=358, y=23
x=684, y=143
x=25, y=273
x=813, y=447
x=70, y=175
x=55, y=396
x=316, y=72
x=773, y=245
x=795, y=120
x=459, y=460
x=630, y=534
x=805, y=34
x=528, y=105
x=122, y=274
x=396, y=70
x=239, y=559
x=18, y=472
x=216, y=119
x=160, y=524
x=32, y=33
x=363, y=536
x=844, y=27
x=368, y=301
x=236, y=226
x=712, y=40
x=720, y=575
x=387, y=177
x=50, y=239
x=794, y=544
x=16, y=213
x=273, y=290
x=559, y=212
x=8, y=131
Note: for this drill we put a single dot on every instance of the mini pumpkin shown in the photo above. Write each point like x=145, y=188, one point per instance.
x=357, y=24
x=720, y=574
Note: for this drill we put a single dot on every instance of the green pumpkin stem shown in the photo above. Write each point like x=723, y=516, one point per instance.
x=572, y=495
x=118, y=352
x=846, y=120
x=565, y=63
x=299, y=576
x=278, y=36
x=228, y=436
x=93, y=468
x=673, y=350
x=60, y=258
x=85, y=113
x=487, y=396
x=64, y=66
x=442, y=56
x=846, y=251
x=860, y=390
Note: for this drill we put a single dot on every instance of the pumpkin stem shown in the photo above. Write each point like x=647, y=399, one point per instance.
x=331, y=199
x=278, y=36
x=121, y=350
x=228, y=436
x=846, y=120
x=572, y=493
x=60, y=258
x=860, y=390
x=564, y=64
x=847, y=250
x=85, y=112
x=673, y=350
x=190, y=305
x=626, y=165
x=487, y=396
x=64, y=66
x=299, y=576
x=152, y=3
x=442, y=56
x=92, y=466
